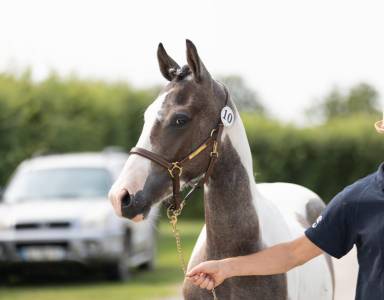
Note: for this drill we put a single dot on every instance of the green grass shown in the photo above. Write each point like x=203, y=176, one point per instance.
x=164, y=281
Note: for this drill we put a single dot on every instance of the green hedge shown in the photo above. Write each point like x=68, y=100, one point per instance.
x=324, y=158
x=61, y=115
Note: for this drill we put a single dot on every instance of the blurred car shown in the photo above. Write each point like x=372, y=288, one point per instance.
x=55, y=209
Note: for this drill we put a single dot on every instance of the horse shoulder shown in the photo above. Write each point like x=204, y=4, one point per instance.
x=198, y=253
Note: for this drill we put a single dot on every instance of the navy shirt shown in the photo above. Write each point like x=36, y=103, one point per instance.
x=356, y=217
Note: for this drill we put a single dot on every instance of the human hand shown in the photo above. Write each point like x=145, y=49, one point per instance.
x=207, y=275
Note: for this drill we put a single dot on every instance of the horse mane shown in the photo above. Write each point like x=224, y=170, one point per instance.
x=180, y=73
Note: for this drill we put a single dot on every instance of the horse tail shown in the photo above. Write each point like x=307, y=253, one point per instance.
x=314, y=208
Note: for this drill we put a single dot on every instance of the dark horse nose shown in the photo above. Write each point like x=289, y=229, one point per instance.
x=125, y=199
x=132, y=205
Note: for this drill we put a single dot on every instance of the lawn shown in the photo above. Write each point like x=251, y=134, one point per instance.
x=164, y=281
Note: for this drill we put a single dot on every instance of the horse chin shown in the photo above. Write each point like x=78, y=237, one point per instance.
x=138, y=218
x=136, y=211
x=141, y=216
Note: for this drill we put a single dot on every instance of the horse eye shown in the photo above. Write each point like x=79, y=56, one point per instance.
x=180, y=120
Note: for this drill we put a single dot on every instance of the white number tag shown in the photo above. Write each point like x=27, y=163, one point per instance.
x=227, y=116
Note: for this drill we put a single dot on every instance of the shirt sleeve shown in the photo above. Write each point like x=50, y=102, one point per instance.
x=334, y=230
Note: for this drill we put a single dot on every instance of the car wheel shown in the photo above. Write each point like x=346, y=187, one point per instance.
x=3, y=278
x=148, y=265
x=118, y=271
x=152, y=249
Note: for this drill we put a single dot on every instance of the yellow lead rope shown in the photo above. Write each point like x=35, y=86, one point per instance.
x=172, y=216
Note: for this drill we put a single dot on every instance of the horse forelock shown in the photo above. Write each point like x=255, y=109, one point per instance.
x=181, y=73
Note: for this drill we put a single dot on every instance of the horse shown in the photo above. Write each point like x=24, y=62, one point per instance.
x=241, y=217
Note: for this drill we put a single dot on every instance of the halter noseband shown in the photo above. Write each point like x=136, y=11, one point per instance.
x=175, y=169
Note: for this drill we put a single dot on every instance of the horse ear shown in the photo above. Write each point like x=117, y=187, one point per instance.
x=194, y=62
x=166, y=63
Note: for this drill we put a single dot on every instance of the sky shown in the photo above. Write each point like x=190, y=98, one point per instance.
x=291, y=52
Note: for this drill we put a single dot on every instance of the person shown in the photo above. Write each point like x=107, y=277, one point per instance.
x=355, y=216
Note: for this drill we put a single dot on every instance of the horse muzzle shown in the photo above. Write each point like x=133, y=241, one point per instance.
x=133, y=207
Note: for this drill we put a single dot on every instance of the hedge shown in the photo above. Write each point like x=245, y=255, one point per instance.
x=62, y=115
x=324, y=158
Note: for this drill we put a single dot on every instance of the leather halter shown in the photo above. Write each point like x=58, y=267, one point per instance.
x=175, y=169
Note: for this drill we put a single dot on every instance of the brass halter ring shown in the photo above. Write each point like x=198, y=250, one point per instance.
x=214, y=151
x=175, y=165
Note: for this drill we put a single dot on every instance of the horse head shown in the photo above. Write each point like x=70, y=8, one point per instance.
x=175, y=124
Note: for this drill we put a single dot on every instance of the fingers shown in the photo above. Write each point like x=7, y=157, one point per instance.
x=211, y=285
x=194, y=278
x=196, y=270
x=203, y=275
x=203, y=281
x=199, y=279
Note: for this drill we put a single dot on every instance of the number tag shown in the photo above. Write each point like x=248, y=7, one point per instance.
x=227, y=116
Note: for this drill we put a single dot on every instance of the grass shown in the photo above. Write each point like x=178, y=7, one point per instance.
x=161, y=283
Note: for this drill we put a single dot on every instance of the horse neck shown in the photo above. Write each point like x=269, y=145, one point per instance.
x=231, y=219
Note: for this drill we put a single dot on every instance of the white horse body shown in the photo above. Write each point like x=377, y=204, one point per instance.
x=285, y=202
x=278, y=206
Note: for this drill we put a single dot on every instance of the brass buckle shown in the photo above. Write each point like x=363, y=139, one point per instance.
x=175, y=165
x=214, y=150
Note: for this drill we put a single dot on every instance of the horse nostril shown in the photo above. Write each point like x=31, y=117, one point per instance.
x=125, y=199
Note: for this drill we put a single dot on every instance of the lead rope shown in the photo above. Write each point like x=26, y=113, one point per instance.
x=172, y=215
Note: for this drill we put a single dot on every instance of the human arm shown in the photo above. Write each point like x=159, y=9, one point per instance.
x=274, y=260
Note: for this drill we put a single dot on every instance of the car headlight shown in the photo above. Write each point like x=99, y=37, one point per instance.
x=3, y=226
x=95, y=222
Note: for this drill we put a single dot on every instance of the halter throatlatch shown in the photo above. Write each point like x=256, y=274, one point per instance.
x=175, y=169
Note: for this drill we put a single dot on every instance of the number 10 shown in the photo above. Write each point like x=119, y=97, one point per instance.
x=228, y=116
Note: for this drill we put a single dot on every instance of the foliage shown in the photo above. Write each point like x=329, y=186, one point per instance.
x=62, y=115
x=245, y=98
x=324, y=158
x=361, y=98
x=69, y=114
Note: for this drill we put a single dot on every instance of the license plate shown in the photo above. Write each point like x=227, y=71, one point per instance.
x=42, y=253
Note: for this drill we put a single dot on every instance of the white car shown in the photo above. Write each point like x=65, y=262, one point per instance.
x=55, y=209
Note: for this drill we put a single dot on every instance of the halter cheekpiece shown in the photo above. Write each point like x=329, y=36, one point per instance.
x=175, y=169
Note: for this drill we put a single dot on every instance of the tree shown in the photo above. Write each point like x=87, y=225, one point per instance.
x=360, y=99
x=245, y=98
